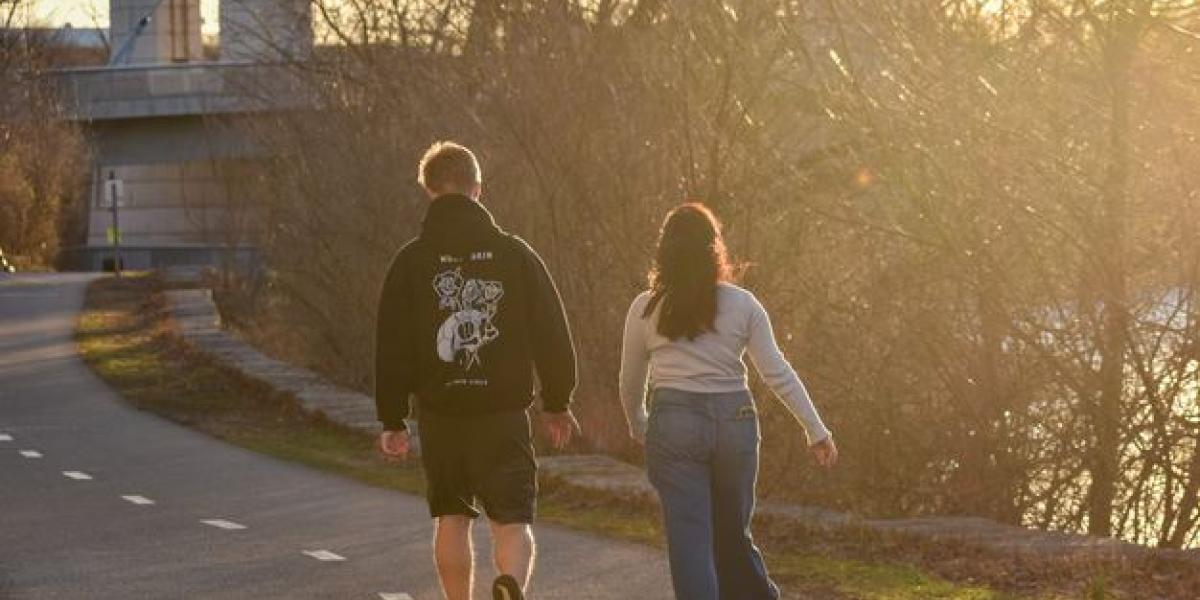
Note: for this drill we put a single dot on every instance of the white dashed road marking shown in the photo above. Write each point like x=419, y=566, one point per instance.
x=4, y=437
x=31, y=454
x=77, y=475
x=140, y=500
x=324, y=555
x=400, y=596
x=223, y=524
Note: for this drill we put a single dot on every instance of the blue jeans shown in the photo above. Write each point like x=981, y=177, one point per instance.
x=702, y=458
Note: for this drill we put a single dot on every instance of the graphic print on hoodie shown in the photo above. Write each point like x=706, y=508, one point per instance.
x=473, y=305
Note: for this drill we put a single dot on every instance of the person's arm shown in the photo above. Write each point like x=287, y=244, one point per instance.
x=635, y=363
x=779, y=374
x=395, y=358
x=553, y=348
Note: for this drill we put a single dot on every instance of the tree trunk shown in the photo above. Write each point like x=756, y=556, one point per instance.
x=1112, y=278
x=481, y=33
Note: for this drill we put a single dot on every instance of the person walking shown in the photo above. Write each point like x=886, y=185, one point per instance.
x=467, y=315
x=687, y=335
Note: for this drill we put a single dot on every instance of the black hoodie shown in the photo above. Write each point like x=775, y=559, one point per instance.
x=467, y=313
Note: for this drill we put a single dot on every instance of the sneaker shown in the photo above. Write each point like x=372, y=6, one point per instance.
x=506, y=588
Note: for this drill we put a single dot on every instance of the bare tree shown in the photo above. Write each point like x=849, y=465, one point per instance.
x=41, y=157
x=972, y=219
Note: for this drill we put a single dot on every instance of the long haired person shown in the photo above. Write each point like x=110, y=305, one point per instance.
x=687, y=335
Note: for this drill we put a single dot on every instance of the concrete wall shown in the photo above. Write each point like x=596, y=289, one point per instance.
x=180, y=197
x=168, y=140
x=141, y=258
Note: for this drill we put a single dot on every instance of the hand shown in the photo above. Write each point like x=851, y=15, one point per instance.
x=560, y=427
x=638, y=425
x=394, y=444
x=825, y=452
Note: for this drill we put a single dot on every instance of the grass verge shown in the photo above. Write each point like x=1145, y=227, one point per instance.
x=126, y=336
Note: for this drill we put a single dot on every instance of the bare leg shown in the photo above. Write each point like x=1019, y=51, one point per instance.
x=453, y=555
x=513, y=550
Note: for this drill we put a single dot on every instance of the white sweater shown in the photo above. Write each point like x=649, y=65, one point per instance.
x=712, y=362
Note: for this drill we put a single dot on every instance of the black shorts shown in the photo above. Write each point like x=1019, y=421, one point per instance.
x=485, y=459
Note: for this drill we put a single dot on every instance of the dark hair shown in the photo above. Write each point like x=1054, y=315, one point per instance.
x=690, y=262
x=448, y=167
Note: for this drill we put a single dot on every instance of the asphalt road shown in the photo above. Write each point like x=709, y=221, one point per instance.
x=98, y=500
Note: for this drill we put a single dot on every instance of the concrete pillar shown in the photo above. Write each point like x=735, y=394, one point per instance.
x=173, y=35
x=266, y=30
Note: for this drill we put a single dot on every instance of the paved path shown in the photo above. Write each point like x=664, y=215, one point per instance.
x=98, y=500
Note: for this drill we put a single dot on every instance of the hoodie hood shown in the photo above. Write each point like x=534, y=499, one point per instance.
x=452, y=213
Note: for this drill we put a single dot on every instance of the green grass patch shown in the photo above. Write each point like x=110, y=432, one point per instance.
x=126, y=337
x=877, y=581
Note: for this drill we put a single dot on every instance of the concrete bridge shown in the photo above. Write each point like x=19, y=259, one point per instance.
x=169, y=118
